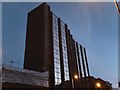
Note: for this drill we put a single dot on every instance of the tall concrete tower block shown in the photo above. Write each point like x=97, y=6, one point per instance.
x=37, y=39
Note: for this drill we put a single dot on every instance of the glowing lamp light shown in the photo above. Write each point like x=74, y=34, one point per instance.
x=98, y=85
x=76, y=76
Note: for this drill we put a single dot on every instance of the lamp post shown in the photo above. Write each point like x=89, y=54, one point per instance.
x=74, y=78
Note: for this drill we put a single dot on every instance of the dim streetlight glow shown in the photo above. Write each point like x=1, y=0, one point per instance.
x=76, y=76
x=98, y=85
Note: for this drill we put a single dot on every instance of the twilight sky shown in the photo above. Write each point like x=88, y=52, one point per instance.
x=94, y=25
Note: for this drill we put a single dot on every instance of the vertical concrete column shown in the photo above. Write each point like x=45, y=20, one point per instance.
x=75, y=64
x=68, y=42
x=86, y=62
x=83, y=63
x=74, y=58
x=51, y=54
x=84, y=68
x=79, y=63
x=61, y=51
x=87, y=67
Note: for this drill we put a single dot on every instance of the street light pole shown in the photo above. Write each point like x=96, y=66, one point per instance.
x=98, y=85
x=74, y=78
x=72, y=84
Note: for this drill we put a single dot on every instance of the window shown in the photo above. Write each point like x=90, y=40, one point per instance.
x=64, y=49
x=57, y=70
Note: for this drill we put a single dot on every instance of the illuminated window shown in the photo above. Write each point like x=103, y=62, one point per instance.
x=57, y=70
x=81, y=64
x=64, y=49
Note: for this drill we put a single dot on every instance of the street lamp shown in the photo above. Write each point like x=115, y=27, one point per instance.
x=74, y=78
x=98, y=85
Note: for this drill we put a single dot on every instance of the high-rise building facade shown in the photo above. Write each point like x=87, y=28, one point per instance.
x=51, y=47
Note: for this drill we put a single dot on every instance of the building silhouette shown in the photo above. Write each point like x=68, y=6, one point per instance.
x=51, y=47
